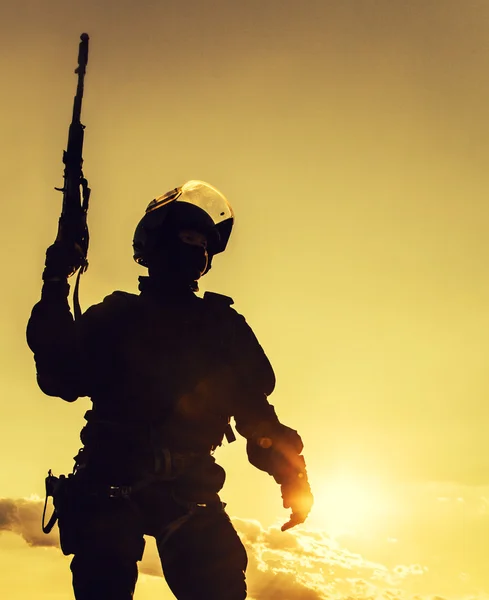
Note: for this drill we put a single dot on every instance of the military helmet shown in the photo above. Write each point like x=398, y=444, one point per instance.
x=195, y=205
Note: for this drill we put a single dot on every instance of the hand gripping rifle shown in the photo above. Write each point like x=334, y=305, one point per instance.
x=72, y=227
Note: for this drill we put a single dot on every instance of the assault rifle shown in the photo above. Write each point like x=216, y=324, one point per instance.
x=72, y=227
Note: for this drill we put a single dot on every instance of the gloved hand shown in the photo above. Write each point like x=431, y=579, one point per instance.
x=297, y=495
x=62, y=260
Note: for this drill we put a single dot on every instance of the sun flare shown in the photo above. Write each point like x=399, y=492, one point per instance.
x=349, y=505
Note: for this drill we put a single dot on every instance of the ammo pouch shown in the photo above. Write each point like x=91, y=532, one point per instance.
x=90, y=516
x=63, y=491
x=133, y=451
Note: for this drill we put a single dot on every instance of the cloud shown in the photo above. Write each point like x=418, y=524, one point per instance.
x=23, y=516
x=309, y=565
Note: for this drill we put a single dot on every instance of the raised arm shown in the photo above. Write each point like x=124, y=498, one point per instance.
x=52, y=337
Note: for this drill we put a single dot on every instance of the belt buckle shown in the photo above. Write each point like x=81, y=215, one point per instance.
x=119, y=491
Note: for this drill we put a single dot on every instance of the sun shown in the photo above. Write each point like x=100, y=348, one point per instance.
x=349, y=504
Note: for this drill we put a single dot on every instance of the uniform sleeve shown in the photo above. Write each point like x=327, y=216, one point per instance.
x=60, y=345
x=51, y=335
x=255, y=379
x=271, y=446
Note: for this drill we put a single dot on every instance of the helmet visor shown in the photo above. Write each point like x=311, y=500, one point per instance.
x=205, y=197
x=200, y=194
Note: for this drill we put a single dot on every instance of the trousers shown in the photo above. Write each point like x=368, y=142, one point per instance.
x=201, y=554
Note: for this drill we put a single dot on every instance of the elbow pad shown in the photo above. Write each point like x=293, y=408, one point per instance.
x=277, y=451
x=54, y=384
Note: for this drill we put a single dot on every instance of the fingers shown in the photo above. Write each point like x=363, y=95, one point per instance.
x=62, y=260
x=287, y=525
x=295, y=519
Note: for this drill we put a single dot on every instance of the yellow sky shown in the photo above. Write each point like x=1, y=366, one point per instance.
x=351, y=138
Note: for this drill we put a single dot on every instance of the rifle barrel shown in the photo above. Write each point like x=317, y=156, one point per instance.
x=80, y=71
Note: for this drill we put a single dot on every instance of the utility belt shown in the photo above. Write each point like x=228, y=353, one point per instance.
x=76, y=499
x=168, y=467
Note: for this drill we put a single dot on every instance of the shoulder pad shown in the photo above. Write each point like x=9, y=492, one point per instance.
x=112, y=306
x=120, y=297
x=118, y=301
x=218, y=299
x=121, y=294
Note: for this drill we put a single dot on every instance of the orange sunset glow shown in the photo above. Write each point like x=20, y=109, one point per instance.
x=351, y=138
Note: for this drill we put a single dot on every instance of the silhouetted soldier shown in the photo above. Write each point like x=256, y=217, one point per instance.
x=165, y=371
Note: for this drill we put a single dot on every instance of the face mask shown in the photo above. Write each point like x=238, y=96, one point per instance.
x=189, y=261
x=183, y=259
